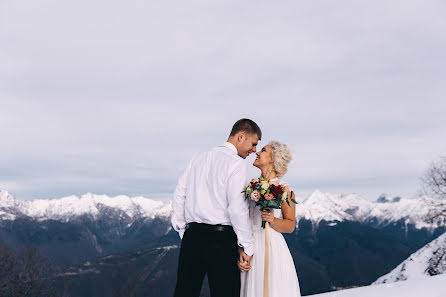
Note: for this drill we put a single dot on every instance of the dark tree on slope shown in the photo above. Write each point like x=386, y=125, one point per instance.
x=125, y=285
x=24, y=274
x=434, y=181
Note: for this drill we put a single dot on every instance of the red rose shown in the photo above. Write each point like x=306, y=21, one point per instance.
x=276, y=190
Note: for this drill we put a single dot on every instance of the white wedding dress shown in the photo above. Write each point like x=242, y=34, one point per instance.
x=283, y=280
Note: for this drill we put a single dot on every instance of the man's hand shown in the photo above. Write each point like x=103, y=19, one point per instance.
x=244, y=262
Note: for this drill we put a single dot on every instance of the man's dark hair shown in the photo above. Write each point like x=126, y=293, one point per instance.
x=248, y=126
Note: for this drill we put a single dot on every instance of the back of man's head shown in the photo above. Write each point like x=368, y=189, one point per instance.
x=248, y=126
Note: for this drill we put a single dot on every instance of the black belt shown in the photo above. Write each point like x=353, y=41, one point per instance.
x=203, y=226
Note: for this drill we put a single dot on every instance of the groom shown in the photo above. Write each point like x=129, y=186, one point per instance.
x=212, y=216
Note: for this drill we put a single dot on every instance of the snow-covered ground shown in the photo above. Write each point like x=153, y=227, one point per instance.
x=412, y=278
x=427, y=261
x=433, y=286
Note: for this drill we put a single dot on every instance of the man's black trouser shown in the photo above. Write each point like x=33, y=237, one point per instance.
x=212, y=250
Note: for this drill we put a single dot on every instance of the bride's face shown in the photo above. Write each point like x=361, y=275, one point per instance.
x=264, y=157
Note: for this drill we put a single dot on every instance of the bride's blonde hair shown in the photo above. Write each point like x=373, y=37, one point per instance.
x=282, y=157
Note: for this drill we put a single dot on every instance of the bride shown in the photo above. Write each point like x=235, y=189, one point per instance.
x=282, y=281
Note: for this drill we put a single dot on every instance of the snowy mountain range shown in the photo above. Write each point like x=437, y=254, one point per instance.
x=72, y=207
x=384, y=211
x=315, y=208
x=428, y=261
x=341, y=241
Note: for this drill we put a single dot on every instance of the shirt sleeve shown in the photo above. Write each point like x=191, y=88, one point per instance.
x=238, y=209
x=179, y=199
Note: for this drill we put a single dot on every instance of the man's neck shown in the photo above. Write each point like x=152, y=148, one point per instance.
x=232, y=141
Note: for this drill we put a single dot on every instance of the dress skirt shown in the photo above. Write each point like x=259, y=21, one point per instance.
x=283, y=280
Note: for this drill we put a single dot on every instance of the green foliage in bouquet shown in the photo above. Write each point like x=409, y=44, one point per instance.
x=267, y=195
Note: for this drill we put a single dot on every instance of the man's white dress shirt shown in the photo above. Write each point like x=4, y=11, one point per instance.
x=210, y=191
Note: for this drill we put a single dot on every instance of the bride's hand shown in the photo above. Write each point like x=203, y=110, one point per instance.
x=244, y=260
x=267, y=216
x=243, y=267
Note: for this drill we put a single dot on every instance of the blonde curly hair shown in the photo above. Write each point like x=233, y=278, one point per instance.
x=282, y=157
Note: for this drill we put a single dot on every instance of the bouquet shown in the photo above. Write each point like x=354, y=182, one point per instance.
x=267, y=195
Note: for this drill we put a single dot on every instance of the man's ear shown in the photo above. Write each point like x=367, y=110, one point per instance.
x=241, y=136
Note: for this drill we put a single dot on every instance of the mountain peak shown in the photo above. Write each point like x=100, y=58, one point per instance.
x=320, y=206
x=317, y=192
x=90, y=204
x=316, y=207
x=382, y=199
x=316, y=196
x=385, y=199
x=6, y=199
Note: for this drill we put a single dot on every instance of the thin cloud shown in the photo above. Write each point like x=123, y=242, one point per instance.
x=115, y=98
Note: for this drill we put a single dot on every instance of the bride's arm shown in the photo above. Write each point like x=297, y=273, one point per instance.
x=288, y=223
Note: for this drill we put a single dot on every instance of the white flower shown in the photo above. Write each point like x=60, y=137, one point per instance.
x=265, y=186
x=284, y=195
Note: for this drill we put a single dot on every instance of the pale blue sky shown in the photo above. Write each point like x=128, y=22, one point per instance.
x=115, y=97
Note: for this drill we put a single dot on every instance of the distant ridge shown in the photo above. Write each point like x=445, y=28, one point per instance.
x=316, y=207
x=72, y=207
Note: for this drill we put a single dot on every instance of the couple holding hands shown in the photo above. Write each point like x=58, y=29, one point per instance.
x=221, y=229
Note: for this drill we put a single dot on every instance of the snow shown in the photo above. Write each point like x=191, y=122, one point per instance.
x=433, y=286
x=334, y=207
x=71, y=207
x=429, y=260
x=329, y=207
x=6, y=200
x=7, y=216
x=168, y=248
x=316, y=207
x=415, y=210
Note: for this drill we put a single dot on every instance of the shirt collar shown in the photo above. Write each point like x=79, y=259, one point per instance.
x=231, y=147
